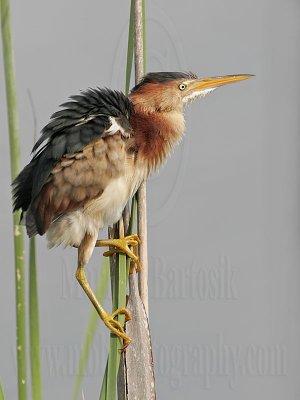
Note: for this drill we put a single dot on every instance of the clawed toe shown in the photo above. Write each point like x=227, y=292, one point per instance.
x=122, y=246
x=115, y=327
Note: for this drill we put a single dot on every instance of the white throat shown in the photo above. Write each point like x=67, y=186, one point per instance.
x=194, y=95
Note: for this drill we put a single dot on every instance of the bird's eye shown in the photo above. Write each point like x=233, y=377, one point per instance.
x=182, y=86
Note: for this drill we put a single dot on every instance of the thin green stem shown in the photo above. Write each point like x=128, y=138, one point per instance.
x=118, y=300
x=1, y=393
x=120, y=274
x=103, y=393
x=11, y=98
x=34, y=331
x=130, y=48
x=132, y=215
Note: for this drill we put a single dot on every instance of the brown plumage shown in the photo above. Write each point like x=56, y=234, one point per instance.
x=98, y=151
x=79, y=178
x=94, y=154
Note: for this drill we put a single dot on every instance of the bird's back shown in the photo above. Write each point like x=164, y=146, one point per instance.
x=75, y=158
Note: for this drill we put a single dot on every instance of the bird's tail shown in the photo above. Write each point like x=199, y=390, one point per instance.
x=22, y=196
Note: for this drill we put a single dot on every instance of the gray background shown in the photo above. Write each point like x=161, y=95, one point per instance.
x=223, y=213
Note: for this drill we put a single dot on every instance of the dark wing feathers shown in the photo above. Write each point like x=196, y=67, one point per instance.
x=22, y=197
x=102, y=103
x=81, y=121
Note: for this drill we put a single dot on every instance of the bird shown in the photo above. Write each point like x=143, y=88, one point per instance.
x=92, y=157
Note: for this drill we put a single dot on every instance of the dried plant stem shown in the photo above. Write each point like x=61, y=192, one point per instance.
x=11, y=97
x=137, y=367
x=142, y=230
x=139, y=12
x=138, y=40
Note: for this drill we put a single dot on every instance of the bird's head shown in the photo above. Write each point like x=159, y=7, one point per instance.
x=168, y=91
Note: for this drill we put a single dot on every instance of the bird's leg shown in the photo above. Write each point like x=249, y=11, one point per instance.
x=122, y=246
x=84, y=252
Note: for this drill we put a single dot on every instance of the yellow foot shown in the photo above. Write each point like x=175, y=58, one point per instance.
x=115, y=326
x=122, y=246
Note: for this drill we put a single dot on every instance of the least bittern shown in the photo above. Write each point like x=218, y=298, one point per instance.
x=92, y=157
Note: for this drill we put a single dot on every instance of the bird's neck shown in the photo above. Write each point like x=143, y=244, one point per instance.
x=156, y=134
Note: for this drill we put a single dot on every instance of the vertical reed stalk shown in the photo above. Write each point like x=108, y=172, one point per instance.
x=11, y=97
x=119, y=264
x=119, y=300
x=119, y=277
x=140, y=61
x=130, y=48
x=108, y=385
x=34, y=331
x=1, y=393
x=119, y=268
x=138, y=361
